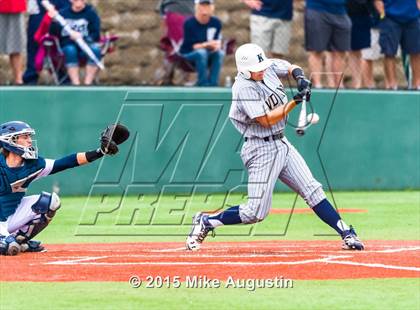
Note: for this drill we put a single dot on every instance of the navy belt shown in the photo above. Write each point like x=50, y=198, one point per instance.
x=278, y=136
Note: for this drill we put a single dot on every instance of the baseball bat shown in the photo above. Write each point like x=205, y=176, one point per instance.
x=80, y=42
x=302, y=123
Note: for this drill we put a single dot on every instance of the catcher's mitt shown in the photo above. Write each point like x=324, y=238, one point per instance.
x=111, y=137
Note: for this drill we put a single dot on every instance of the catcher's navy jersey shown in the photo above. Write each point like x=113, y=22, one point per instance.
x=15, y=181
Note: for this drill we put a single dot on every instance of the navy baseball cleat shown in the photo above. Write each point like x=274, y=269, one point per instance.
x=351, y=241
x=199, y=231
x=32, y=246
x=9, y=245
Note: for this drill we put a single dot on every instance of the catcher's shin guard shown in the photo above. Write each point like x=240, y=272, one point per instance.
x=46, y=206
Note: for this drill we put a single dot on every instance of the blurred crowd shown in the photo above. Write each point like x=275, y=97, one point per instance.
x=339, y=36
x=61, y=45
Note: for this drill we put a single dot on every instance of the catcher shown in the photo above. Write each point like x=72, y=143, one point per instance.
x=23, y=217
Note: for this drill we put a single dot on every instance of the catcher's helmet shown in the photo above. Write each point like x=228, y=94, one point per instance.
x=251, y=58
x=8, y=135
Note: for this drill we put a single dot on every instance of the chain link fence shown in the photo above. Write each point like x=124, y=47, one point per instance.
x=140, y=56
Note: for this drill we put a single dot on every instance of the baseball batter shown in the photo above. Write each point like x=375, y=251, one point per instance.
x=259, y=112
x=23, y=217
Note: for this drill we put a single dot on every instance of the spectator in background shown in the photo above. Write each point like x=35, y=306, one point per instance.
x=202, y=43
x=36, y=13
x=400, y=24
x=85, y=23
x=173, y=14
x=373, y=52
x=327, y=28
x=183, y=7
x=359, y=12
x=271, y=25
x=12, y=34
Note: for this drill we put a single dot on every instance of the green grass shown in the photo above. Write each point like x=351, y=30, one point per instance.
x=337, y=294
x=390, y=216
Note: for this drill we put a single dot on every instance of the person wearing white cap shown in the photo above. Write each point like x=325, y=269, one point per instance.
x=259, y=111
x=202, y=43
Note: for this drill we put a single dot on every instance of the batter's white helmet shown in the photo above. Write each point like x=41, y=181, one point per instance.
x=251, y=58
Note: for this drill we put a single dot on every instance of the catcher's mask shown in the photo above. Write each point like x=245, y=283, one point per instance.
x=9, y=133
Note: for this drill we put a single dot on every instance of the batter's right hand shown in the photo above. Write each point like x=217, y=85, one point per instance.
x=302, y=94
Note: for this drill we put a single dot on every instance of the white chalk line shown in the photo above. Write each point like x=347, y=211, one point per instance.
x=190, y=256
x=168, y=250
x=76, y=260
x=240, y=255
x=374, y=265
x=257, y=250
x=398, y=250
x=271, y=246
x=191, y=263
x=329, y=259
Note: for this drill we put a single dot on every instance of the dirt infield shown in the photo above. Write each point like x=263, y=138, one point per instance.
x=217, y=260
x=309, y=211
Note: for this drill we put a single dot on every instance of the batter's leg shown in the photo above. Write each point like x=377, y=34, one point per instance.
x=264, y=161
x=263, y=169
x=298, y=177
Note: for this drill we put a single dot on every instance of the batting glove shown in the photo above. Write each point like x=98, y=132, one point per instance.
x=303, y=83
x=305, y=93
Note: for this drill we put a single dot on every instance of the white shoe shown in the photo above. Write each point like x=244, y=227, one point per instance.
x=351, y=241
x=199, y=231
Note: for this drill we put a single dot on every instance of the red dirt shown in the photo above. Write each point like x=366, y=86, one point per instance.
x=309, y=211
x=216, y=260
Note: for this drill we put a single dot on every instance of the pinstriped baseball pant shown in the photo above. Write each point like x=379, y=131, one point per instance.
x=266, y=163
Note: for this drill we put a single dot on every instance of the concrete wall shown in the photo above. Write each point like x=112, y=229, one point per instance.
x=182, y=139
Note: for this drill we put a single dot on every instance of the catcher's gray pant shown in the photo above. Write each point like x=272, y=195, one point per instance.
x=268, y=161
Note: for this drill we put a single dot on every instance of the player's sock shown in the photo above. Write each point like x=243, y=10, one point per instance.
x=228, y=217
x=329, y=215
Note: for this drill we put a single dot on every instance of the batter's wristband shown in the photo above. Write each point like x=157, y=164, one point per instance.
x=94, y=155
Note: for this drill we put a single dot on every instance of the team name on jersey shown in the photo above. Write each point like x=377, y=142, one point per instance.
x=276, y=98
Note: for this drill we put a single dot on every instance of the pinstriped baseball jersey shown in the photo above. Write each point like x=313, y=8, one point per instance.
x=251, y=99
x=268, y=161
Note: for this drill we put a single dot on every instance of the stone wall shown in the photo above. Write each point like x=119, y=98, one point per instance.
x=138, y=58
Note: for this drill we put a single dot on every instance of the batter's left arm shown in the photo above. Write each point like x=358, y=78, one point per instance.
x=297, y=73
x=276, y=115
x=304, y=90
x=284, y=69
